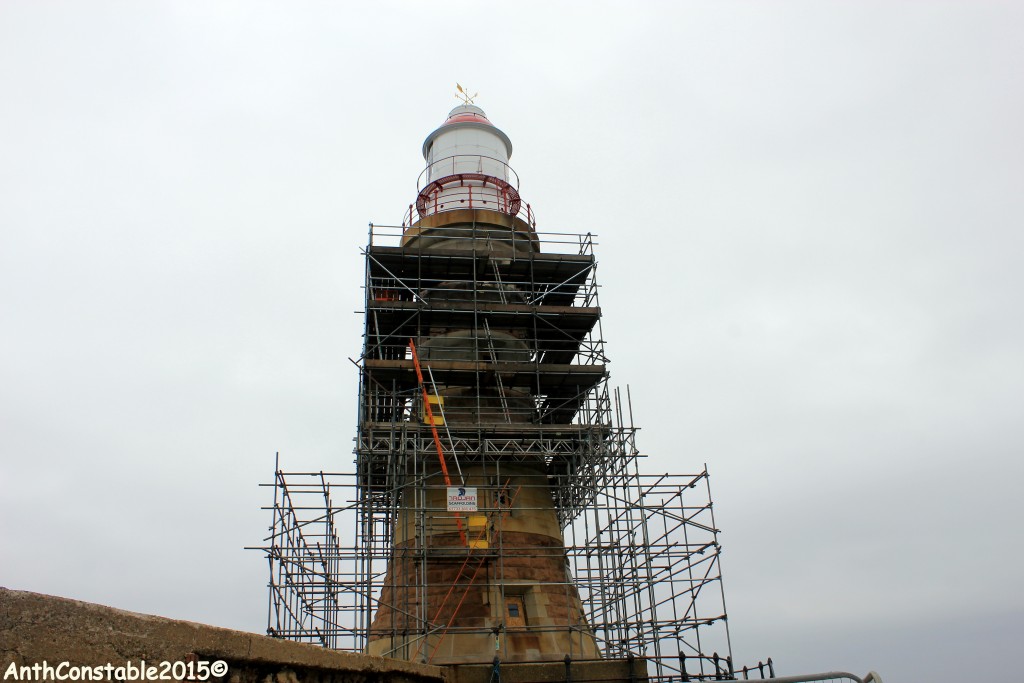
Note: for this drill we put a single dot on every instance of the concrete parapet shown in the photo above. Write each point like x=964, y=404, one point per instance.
x=35, y=628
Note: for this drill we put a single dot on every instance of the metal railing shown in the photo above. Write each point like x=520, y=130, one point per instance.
x=381, y=235
x=467, y=200
x=841, y=676
x=464, y=163
x=468, y=181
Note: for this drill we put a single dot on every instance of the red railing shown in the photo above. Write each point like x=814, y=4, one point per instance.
x=468, y=181
x=470, y=200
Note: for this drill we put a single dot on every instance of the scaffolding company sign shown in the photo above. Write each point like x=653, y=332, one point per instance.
x=461, y=499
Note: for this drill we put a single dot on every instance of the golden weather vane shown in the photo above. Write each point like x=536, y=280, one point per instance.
x=464, y=95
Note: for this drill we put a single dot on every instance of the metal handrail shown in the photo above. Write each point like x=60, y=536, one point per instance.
x=549, y=242
x=390, y=288
x=511, y=177
x=871, y=677
x=525, y=211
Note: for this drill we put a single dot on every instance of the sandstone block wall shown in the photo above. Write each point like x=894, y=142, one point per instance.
x=35, y=628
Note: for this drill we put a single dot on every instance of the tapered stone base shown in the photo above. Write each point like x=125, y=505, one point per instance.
x=464, y=594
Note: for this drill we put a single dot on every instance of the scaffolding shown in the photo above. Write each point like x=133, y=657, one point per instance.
x=644, y=558
x=518, y=386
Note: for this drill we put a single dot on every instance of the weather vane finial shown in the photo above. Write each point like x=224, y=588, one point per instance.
x=464, y=95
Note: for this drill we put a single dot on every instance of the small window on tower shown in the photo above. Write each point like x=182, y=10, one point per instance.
x=515, y=612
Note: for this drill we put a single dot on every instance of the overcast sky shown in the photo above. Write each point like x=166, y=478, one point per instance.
x=809, y=216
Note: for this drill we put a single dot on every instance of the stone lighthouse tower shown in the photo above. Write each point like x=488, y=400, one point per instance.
x=482, y=406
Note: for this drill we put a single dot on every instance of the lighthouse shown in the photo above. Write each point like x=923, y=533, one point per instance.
x=497, y=518
x=477, y=404
x=497, y=514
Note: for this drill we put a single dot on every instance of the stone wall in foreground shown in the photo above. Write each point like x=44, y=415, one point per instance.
x=35, y=628
x=38, y=628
